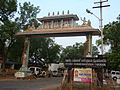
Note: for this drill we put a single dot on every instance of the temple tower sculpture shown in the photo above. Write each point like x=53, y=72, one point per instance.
x=57, y=26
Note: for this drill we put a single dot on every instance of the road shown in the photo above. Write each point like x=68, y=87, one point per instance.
x=39, y=84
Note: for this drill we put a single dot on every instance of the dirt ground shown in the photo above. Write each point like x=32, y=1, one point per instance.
x=111, y=85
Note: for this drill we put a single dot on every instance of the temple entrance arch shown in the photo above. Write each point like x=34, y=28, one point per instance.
x=58, y=26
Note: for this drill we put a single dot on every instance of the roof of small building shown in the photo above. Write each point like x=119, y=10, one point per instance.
x=61, y=31
x=59, y=17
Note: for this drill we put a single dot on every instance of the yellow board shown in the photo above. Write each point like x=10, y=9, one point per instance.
x=83, y=74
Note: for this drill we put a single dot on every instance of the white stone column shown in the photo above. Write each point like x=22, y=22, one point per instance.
x=72, y=22
x=52, y=24
x=89, y=40
x=43, y=25
x=62, y=23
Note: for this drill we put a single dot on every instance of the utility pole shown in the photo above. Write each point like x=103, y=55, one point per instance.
x=101, y=20
x=100, y=71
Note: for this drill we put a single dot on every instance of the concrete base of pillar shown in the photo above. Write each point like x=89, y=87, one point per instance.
x=23, y=72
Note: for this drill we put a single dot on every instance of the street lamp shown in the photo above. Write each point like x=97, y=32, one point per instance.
x=88, y=11
x=100, y=27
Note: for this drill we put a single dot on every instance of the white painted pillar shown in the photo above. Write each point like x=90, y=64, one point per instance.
x=89, y=40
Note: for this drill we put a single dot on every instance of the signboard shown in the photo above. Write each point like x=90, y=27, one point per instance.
x=83, y=75
x=86, y=62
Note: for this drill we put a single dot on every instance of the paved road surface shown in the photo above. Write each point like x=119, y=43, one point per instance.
x=39, y=84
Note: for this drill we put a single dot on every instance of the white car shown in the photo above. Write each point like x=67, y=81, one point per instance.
x=37, y=71
x=115, y=75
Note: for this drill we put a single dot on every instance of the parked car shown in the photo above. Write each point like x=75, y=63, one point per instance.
x=57, y=73
x=38, y=72
x=115, y=75
x=54, y=73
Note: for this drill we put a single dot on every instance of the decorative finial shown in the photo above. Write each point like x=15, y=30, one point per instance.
x=62, y=12
x=49, y=14
x=53, y=13
x=89, y=23
x=29, y=27
x=33, y=25
x=58, y=13
x=84, y=20
x=68, y=12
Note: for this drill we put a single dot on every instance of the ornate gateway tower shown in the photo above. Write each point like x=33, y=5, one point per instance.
x=58, y=21
x=59, y=26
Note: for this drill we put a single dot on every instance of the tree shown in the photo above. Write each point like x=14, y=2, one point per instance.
x=26, y=15
x=112, y=38
x=76, y=52
x=7, y=10
x=113, y=61
x=95, y=51
x=72, y=52
x=16, y=50
x=111, y=33
x=8, y=28
x=40, y=48
x=44, y=51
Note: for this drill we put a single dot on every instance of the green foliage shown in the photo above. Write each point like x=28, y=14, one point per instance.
x=27, y=15
x=72, y=52
x=112, y=38
x=98, y=42
x=7, y=10
x=40, y=48
x=113, y=61
x=118, y=18
x=16, y=50
x=95, y=51
x=8, y=28
x=44, y=49
x=76, y=52
x=9, y=42
x=7, y=37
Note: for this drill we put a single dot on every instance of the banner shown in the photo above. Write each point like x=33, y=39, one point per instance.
x=83, y=74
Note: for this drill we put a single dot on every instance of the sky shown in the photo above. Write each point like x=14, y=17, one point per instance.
x=77, y=7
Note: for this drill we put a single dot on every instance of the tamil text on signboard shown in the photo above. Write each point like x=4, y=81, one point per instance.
x=86, y=62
